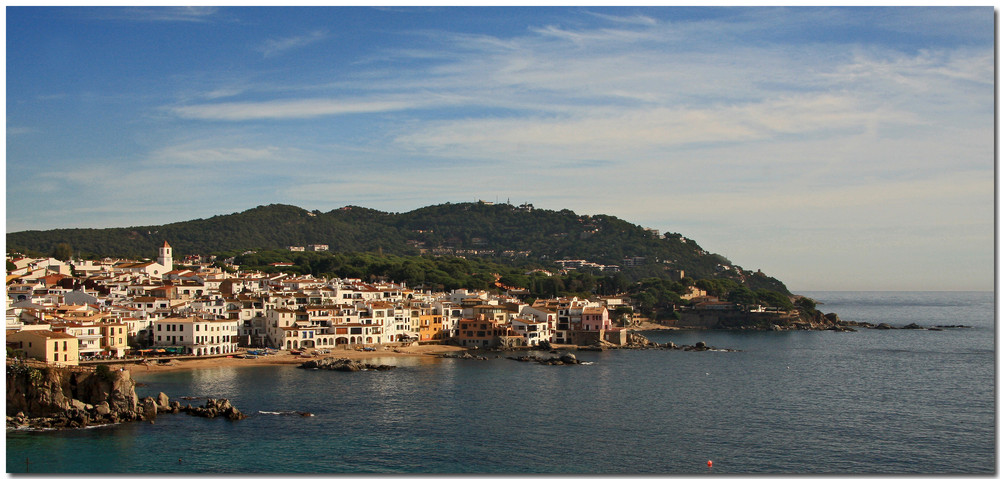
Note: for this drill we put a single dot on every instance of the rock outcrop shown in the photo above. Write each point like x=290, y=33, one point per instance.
x=635, y=339
x=41, y=391
x=563, y=359
x=465, y=355
x=44, y=397
x=215, y=408
x=763, y=321
x=343, y=364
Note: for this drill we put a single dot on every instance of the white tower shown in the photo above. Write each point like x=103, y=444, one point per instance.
x=166, y=256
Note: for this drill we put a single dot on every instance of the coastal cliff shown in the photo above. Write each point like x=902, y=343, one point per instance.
x=46, y=397
x=70, y=396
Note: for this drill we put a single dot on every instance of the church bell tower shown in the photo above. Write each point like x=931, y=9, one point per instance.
x=166, y=256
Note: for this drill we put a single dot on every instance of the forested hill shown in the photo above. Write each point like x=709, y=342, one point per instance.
x=502, y=232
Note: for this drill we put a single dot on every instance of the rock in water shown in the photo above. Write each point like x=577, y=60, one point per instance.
x=342, y=364
x=148, y=409
x=569, y=358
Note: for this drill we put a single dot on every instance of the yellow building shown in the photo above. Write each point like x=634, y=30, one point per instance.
x=49, y=346
x=115, y=340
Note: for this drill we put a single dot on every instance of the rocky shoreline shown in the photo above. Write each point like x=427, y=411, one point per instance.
x=560, y=356
x=40, y=397
x=784, y=321
x=865, y=324
x=343, y=364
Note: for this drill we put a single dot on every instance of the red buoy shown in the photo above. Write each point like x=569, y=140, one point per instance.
x=709, y=463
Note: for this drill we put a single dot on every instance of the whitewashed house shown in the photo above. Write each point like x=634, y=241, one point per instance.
x=198, y=336
x=531, y=330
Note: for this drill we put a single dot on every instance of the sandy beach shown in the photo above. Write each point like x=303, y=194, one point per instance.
x=287, y=358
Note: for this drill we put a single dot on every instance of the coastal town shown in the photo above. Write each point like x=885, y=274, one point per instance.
x=69, y=313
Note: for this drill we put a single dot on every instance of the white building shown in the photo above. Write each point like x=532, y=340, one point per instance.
x=164, y=264
x=533, y=331
x=198, y=336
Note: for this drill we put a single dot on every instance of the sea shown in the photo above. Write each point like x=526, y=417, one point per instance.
x=896, y=401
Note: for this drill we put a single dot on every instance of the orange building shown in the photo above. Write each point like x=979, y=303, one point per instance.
x=115, y=340
x=431, y=327
x=482, y=332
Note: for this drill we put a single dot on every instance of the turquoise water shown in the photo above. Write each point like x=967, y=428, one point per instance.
x=805, y=402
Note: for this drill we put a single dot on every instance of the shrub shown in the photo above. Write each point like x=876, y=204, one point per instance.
x=103, y=372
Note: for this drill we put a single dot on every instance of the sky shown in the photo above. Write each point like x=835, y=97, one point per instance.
x=833, y=148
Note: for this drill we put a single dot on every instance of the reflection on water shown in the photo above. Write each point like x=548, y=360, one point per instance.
x=216, y=382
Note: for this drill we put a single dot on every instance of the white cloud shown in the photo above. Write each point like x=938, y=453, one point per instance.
x=775, y=153
x=273, y=46
x=645, y=132
x=633, y=19
x=286, y=109
x=158, y=14
x=224, y=92
x=188, y=156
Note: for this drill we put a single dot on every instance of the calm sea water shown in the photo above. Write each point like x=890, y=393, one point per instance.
x=807, y=402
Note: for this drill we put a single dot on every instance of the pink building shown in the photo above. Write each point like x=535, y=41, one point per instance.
x=595, y=318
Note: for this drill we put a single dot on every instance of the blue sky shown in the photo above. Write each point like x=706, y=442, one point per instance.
x=833, y=148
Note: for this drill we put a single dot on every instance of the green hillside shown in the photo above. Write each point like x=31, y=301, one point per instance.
x=507, y=234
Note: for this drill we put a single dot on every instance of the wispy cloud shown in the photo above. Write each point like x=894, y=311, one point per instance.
x=274, y=46
x=756, y=131
x=646, y=131
x=194, y=156
x=633, y=19
x=224, y=92
x=286, y=109
x=157, y=14
x=20, y=130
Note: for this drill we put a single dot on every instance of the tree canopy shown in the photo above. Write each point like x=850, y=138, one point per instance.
x=516, y=236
